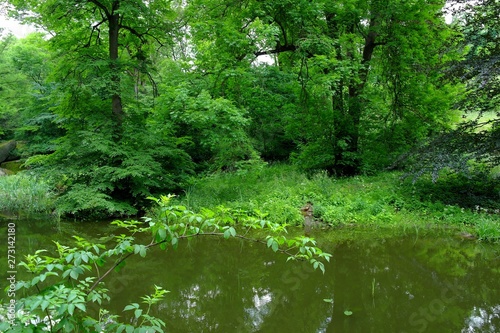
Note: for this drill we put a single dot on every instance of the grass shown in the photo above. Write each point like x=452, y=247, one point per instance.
x=484, y=116
x=381, y=201
x=24, y=194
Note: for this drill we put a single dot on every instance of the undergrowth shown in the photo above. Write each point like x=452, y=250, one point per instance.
x=384, y=200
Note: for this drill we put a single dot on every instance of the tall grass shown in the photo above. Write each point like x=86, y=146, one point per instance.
x=22, y=194
x=382, y=200
x=281, y=190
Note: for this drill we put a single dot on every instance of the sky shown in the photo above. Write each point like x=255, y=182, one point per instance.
x=15, y=27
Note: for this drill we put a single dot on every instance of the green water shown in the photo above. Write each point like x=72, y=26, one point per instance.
x=376, y=282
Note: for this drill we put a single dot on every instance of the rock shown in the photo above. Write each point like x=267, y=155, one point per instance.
x=466, y=235
x=3, y=172
x=6, y=148
x=308, y=211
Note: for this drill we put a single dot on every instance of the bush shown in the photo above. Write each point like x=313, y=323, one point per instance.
x=468, y=191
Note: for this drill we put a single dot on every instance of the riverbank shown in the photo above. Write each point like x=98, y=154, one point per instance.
x=381, y=201
x=278, y=192
x=373, y=226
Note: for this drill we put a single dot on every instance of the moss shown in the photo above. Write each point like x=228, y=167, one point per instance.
x=12, y=166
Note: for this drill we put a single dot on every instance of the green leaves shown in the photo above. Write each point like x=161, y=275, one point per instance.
x=141, y=249
x=229, y=232
x=147, y=320
x=272, y=243
x=66, y=294
x=132, y=306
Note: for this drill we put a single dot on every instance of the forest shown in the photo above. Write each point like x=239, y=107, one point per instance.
x=128, y=108
x=116, y=101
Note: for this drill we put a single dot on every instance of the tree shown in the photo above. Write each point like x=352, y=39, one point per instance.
x=11, y=97
x=343, y=54
x=77, y=28
x=480, y=68
x=474, y=139
x=147, y=93
x=110, y=158
x=36, y=125
x=390, y=49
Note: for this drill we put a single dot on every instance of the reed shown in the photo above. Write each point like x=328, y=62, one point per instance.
x=23, y=194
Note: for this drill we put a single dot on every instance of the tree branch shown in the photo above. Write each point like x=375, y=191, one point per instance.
x=95, y=27
x=278, y=49
x=101, y=6
x=218, y=234
x=134, y=32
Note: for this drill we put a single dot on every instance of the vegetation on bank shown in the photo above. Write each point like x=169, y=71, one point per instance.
x=384, y=200
x=234, y=205
x=277, y=192
x=152, y=95
x=26, y=195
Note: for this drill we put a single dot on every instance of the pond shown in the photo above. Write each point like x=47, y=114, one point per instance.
x=376, y=282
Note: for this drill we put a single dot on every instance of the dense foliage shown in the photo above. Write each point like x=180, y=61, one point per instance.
x=121, y=100
x=25, y=195
x=476, y=138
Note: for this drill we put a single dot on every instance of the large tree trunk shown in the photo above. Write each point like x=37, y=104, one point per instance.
x=114, y=29
x=347, y=117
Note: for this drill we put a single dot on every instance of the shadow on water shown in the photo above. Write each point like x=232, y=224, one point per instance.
x=376, y=282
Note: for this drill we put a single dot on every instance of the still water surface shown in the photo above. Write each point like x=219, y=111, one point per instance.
x=376, y=282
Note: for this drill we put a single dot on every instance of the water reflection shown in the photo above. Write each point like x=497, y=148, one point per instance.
x=375, y=284
x=257, y=313
x=483, y=320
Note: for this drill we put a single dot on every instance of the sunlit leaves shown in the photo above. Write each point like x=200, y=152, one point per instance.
x=149, y=300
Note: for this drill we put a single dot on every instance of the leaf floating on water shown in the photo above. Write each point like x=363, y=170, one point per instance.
x=348, y=313
x=328, y=300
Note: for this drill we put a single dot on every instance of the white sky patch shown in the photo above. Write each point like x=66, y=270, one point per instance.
x=457, y=7
x=15, y=27
x=265, y=59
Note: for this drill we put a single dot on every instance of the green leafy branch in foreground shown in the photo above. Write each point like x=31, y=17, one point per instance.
x=64, y=287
